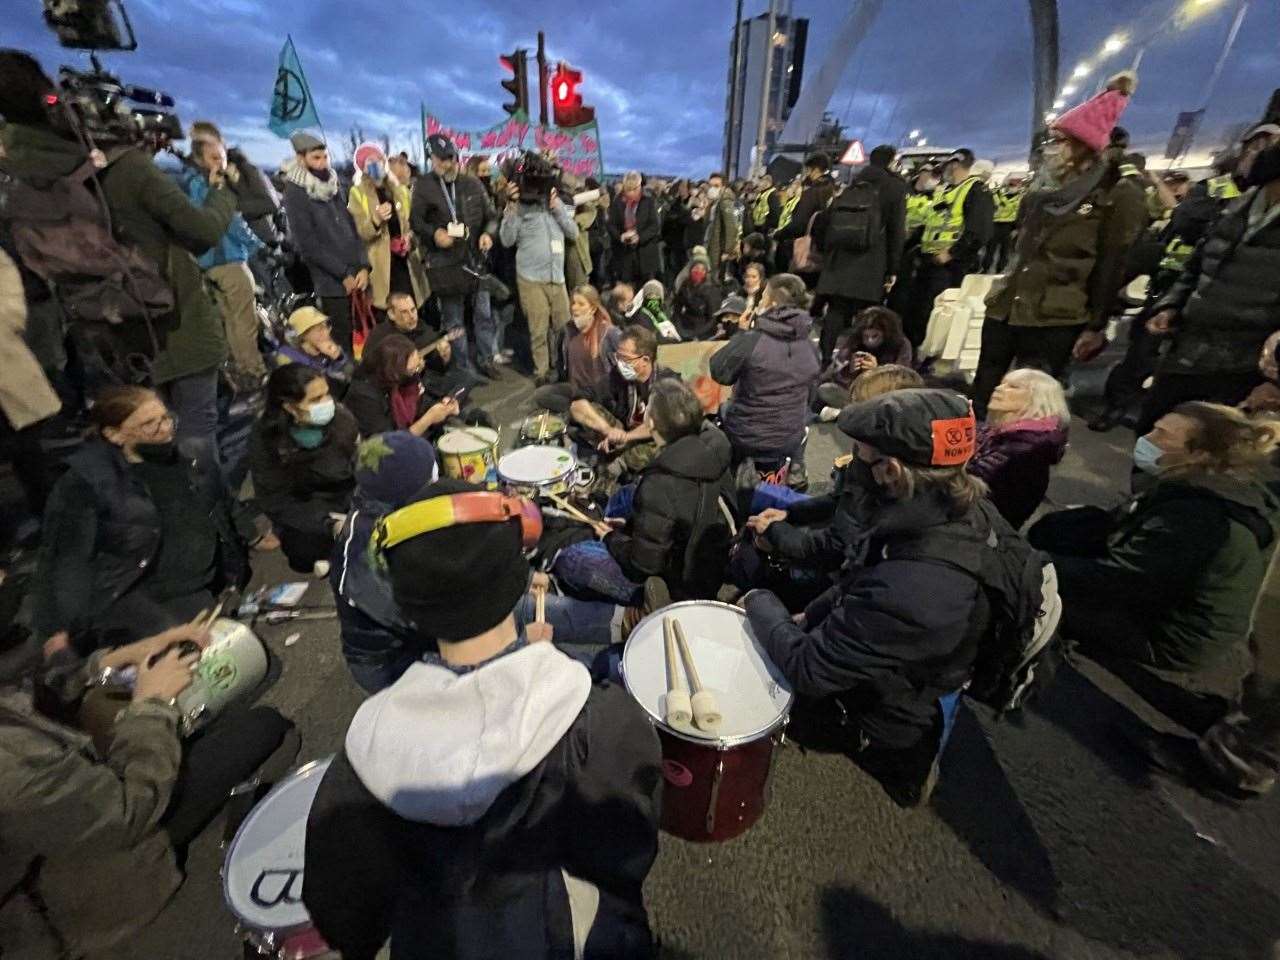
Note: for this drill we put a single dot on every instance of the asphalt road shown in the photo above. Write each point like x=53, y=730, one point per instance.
x=1045, y=839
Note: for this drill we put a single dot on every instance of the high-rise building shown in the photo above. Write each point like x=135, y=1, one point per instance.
x=746, y=83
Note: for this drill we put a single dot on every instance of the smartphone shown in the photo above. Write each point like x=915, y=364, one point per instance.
x=458, y=394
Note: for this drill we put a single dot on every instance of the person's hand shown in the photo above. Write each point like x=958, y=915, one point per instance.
x=331, y=350
x=384, y=211
x=603, y=528
x=136, y=654
x=889, y=284
x=1264, y=398
x=539, y=632
x=442, y=238
x=439, y=412
x=166, y=678
x=540, y=581
x=798, y=620
x=864, y=361
x=349, y=285
x=942, y=257
x=554, y=201
x=762, y=521
x=1089, y=344
x=267, y=542
x=1267, y=365
x=362, y=280
x=217, y=178
x=1162, y=323
x=233, y=174
x=486, y=243
x=56, y=644
x=513, y=193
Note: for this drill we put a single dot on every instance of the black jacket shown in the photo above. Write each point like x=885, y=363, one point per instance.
x=645, y=258
x=695, y=307
x=422, y=336
x=881, y=638
x=1228, y=297
x=862, y=275
x=431, y=213
x=772, y=369
x=298, y=488
x=325, y=237
x=979, y=225
x=813, y=199
x=676, y=530
x=625, y=399
x=102, y=533
x=823, y=531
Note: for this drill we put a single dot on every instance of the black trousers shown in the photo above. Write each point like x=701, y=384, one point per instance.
x=1124, y=382
x=338, y=310
x=996, y=253
x=1171, y=389
x=1046, y=348
x=302, y=548
x=930, y=280
x=838, y=319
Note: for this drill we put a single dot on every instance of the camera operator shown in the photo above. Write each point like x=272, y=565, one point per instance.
x=149, y=211
x=537, y=223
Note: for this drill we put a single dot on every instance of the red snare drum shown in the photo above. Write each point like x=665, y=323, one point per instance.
x=716, y=785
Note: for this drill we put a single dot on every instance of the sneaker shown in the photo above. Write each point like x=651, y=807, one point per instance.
x=320, y=569
x=488, y=370
x=656, y=596
x=829, y=414
x=503, y=359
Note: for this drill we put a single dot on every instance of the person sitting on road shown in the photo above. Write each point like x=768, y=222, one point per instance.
x=873, y=658
x=773, y=368
x=387, y=393
x=88, y=839
x=875, y=339
x=734, y=314
x=1168, y=580
x=588, y=354
x=1025, y=436
x=301, y=456
x=313, y=346
x=403, y=318
x=649, y=309
x=618, y=302
x=138, y=535
x=378, y=639
x=697, y=300
x=613, y=409
x=493, y=801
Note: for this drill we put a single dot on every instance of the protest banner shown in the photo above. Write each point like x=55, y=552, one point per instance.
x=576, y=150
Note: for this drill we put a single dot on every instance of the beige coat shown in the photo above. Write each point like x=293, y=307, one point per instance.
x=362, y=203
x=577, y=255
x=25, y=394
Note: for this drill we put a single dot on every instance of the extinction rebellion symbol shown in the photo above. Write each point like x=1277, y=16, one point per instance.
x=290, y=95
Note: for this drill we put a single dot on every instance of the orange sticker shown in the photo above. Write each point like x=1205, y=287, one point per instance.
x=953, y=441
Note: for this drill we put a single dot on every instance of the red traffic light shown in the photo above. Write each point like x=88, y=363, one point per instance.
x=566, y=100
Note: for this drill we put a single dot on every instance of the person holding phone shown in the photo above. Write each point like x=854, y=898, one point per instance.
x=387, y=393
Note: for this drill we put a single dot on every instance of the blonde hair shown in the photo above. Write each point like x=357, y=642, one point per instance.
x=1047, y=397
x=881, y=380
x=1230, y=440
x=632, y=180
x=956, y=486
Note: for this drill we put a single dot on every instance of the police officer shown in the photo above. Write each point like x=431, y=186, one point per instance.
x=957, y=226
x=1008, y=201
x=766, y=208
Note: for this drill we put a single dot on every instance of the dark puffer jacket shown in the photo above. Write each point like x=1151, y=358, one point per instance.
x=695, y=309
x=298, y=488
x=1228, y=297
x=431, y=212
x=326, y=238
x=773, y=370
x=1015, y=459
x=825, y=530
x=677, y=530
x=861, y=274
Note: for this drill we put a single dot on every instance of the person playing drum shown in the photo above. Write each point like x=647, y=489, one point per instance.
x=491, y=782
x=878, y=659
x=87, y=839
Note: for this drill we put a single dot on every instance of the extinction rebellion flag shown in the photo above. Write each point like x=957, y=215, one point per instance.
x=292, y=107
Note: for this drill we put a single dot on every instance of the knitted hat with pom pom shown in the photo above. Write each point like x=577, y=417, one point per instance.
x=1092, y=121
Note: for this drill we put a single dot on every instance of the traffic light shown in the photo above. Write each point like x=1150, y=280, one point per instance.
x=518, y=83
x=566, y=101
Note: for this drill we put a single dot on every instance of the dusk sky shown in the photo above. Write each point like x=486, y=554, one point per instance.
x=655, y=71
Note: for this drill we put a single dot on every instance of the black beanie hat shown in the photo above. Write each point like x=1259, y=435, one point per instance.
x=458, y=582
x=920, y=427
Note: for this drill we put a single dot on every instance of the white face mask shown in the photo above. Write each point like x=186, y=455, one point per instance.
x=582, y=320
x=628, y=371
x=713, y=193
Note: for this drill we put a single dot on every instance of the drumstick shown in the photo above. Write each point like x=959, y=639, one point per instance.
x=679, y=710
x=540, y=604
x=571, y=510
x=706, y=712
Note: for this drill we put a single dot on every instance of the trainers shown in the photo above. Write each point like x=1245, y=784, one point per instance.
x=656, y=596
x=503, y=359
x=320, y=569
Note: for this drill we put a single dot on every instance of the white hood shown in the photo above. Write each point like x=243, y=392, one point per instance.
x=438, y=748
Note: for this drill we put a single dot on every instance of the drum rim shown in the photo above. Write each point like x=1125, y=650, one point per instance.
x=718, y=743
x=559, y=478
x=244, y=924
x=471, y=433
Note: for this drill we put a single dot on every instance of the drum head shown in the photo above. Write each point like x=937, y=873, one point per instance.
x=536, y=464
x=262, y=875
x=753, y=696
x=471, y=440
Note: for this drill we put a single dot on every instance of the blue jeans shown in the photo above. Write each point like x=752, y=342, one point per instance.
x=581, y=628
x=377, y=671
x=453, y=311
x=587, y=566
x=193, y=401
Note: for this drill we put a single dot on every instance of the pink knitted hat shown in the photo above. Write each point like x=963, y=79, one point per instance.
x=1092, y=121
x=366, y=152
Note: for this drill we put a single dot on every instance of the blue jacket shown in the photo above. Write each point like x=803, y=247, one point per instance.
x=237, y=245
x=539, y=234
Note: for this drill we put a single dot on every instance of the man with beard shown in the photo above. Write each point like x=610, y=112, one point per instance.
x=1227, y=301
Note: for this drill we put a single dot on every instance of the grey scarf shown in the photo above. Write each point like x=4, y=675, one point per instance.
x=296, y=171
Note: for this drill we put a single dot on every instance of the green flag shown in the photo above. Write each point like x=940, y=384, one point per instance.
x=292, y=106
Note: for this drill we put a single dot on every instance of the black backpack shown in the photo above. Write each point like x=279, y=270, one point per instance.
x=854, y=222
x=1012, y=644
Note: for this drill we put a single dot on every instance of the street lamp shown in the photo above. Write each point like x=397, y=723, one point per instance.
x=923, y=141
x=1069, y=89
x=1081, y=71
x=1059, y=104
x=1115, y=43
x=913, y=134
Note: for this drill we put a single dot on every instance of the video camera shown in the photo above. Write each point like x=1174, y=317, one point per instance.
x=110, y=111
x=535, y=175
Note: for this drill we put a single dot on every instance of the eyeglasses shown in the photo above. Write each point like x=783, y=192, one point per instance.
x=630, y=359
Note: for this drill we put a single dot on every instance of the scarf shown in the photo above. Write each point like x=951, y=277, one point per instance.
x=629, y=214
x=296, y=172
x=404, y=404
x=1047, y=200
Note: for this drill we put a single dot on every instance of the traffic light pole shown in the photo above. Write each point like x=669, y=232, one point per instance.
x=542, y=78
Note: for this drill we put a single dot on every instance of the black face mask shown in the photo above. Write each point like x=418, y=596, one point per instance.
x=1266, y=167
x=322, y=175
x=157, y=452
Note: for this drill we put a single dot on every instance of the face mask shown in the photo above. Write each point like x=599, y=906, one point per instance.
x=628, y=371
x=320, y=413
x=322, y=175
x=308, y=438
x=713, y=193
x=1146, y=456
x=157, y=452
x=1265, y=168
x=374, y=172
x=582, y=320
x=698, y=275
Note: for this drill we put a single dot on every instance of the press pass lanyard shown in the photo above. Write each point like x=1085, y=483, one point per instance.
x=447, y=189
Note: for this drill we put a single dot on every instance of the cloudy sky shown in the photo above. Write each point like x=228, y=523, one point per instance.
x=655, y=72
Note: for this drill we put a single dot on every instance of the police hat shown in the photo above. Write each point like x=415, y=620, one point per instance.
x=921, y=427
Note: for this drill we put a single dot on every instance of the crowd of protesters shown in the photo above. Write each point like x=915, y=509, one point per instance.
x=411, y=287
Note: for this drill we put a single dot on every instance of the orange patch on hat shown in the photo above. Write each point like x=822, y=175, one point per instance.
x=953, y=441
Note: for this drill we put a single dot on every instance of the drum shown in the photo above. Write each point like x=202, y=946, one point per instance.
x=262, y=872
x=543, y=430
x=231, y=667
x=541, y=471
x=716, y=785
x=470, y=454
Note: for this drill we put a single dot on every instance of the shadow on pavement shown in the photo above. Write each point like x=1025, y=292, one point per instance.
x=975, y=799
x=858, y=928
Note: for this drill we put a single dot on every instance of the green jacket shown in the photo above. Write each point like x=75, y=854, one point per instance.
x=1186, y=557
x=149, y=210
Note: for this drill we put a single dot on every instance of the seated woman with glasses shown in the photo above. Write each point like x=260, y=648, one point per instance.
x=137, y=537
